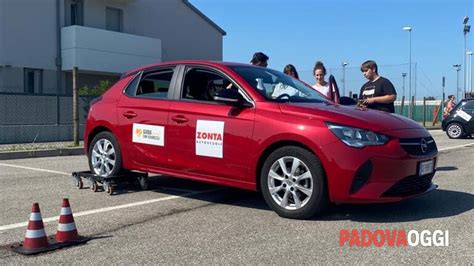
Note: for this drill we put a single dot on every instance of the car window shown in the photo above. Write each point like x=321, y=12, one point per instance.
x=276, y=86
x=202, y=84
x=155, y=84
x=132, y=86
x=469, y=105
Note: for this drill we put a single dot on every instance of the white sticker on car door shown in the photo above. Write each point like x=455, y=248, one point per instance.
x=464, y=115
x=148, y=134
x=210, y=138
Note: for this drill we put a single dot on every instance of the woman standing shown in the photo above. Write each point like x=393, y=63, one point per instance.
x=449, y=106
x=319, y=72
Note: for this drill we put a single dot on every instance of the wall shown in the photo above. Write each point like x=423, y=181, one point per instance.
x=29, y=33
x=29, y=26
x=12, y=80
x=184, y=34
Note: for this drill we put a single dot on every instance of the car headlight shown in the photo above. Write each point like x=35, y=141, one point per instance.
x=356, y=137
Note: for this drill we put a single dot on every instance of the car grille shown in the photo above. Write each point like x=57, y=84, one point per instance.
x=419, y=146
x=409, y=186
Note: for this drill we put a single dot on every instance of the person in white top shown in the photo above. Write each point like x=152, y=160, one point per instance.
x=281, y=89
x=319, y=72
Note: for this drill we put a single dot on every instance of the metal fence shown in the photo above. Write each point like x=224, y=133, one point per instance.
x=34, y=118
x=352, y=79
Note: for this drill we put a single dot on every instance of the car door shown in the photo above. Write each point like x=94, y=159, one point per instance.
x=207, y=137
x=143, y=113
x=468, y=108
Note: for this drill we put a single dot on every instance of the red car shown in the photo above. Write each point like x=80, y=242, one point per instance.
x=256, y=128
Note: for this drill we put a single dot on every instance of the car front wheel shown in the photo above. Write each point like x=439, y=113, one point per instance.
x=293, y=183
x=105, y=158
x=455, y=131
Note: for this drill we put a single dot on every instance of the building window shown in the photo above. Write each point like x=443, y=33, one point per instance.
x=114, y=17
x=76, y=12
x=33, y=81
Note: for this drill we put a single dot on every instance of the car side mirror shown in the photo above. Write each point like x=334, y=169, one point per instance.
x=231, y=97
x=344, y=100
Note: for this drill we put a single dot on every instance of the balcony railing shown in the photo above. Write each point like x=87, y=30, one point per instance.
x=98, y=50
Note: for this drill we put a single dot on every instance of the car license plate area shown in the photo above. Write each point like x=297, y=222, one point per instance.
x=426, y=168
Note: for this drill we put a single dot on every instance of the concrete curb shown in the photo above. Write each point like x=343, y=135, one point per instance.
x=10, y=155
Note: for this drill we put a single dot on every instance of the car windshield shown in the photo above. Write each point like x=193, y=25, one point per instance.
x=277, y=86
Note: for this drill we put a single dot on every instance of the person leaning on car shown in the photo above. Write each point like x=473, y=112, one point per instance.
x=378, y=93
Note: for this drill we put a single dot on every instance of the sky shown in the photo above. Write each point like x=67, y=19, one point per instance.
x=300, y=32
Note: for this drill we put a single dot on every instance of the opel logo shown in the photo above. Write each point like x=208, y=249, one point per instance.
x=423, y=146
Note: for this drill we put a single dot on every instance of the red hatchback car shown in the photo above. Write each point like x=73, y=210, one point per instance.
x=256, y=128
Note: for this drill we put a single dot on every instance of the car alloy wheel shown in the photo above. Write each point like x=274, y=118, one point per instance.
x=454, y=131
x=103, y=157
x=293, y=183
x=290, y=183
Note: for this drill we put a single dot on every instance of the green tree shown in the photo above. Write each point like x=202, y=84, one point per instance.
x=96, y=90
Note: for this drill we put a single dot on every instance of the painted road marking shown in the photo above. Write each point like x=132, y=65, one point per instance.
x=454, y=147
x=35, y=169
x=101, y=210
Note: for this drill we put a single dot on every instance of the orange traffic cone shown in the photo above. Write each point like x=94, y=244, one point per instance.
x=35, y=237
x=66, y=228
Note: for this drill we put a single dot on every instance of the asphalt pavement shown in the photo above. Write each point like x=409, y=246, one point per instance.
x=182, y=222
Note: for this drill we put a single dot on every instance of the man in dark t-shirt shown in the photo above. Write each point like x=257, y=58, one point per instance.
x=378, y=93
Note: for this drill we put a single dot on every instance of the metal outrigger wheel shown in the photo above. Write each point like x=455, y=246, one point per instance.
x=108, y=188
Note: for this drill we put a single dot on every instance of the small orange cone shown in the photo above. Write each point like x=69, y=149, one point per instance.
x=66, y=228
x=35, y=237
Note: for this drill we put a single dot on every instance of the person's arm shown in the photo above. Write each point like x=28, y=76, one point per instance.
x=381, y=99
x=389, y=97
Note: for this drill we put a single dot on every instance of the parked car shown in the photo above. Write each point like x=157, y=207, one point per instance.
x=460, y=123
x=257, y=129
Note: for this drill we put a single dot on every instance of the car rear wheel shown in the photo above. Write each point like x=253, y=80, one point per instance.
x=454, y=131
x=105, y=158
x=293, y=183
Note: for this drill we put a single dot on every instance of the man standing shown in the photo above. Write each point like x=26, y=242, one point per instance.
x=259, y=59
x=378, y=93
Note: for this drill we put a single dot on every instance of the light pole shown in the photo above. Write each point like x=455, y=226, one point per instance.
x=466, y=30
x=404, y=75
x=458, y=67
x=469, y=72
x=344, y=64
x=409, y=75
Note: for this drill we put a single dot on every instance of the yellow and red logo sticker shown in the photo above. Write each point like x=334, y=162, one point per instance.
x=148, y=134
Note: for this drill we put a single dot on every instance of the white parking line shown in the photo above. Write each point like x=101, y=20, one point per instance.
x=35, y=169
x=454, y=147
x=101, y=210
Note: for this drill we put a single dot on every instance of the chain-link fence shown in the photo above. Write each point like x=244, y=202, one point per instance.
x=38, y=118
x=350, y=79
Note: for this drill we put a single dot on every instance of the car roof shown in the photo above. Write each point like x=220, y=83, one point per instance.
x=185, y=62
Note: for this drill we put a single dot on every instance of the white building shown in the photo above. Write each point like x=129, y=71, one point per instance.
x=42, y=40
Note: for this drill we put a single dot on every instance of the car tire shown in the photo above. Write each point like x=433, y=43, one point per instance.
x=301, y=191
x=455, y=131
x=104, y=156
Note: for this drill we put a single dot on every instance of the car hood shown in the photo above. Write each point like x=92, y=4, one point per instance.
x=350, y=116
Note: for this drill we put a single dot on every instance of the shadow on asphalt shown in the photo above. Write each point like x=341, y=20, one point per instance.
x=446, y=168
x=437, y=204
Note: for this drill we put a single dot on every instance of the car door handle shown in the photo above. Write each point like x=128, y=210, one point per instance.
x=179, y=119
x=129, y=115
